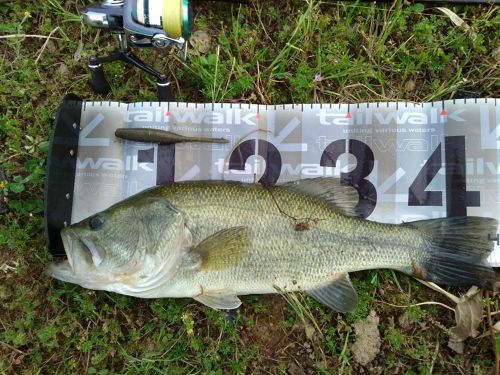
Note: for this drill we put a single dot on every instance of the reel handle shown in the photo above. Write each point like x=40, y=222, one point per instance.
x=98, y=82
x=164, y=90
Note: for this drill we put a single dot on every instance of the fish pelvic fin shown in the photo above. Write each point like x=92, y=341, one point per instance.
x=342, y=198
x=457, y=251
x=223, y=299
x=224, y=249
x=338, y=295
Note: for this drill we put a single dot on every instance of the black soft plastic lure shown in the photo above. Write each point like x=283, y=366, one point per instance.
x=161, y=137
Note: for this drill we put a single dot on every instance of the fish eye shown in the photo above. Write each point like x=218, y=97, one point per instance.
x=96, y=222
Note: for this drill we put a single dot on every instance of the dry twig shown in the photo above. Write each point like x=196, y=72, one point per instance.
x=493, y=338
x=27, y=36
x=45, y=44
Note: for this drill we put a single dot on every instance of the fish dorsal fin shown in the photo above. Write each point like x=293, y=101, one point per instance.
x=224, y=249
x=342, y=197
x=338, y=295
x=223, y=299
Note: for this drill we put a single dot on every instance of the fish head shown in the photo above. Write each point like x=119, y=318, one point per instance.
x=128, y=245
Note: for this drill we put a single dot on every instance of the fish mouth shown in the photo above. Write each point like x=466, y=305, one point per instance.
x=65, y=270
x=68, y=238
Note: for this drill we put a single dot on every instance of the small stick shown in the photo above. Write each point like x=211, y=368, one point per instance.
x=493, y=338
x=436, y=352
x=12, y=348
x=45, y=44
x=26, y=36
x=417, y=304
x=440, y=290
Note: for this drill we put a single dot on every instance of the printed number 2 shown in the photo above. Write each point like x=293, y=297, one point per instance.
x=457, y=196
x=267, y=150
x=355, y=178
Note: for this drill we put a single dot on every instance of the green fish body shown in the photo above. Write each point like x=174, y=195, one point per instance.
x=213, y=241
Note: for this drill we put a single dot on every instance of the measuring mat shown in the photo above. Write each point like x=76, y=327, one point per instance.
x=408, y=161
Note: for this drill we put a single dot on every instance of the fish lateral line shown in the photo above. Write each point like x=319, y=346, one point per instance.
x=299, y=224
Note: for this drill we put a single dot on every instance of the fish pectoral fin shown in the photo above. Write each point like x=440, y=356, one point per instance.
x=224, y=249
x=223, y=299
x=338, y=295
x=343, y=198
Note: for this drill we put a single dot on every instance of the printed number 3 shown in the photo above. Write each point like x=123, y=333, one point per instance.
x=365, y=161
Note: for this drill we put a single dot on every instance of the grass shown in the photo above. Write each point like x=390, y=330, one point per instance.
x=269, y=53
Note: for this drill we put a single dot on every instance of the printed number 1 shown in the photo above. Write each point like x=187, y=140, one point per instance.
x=457, y=196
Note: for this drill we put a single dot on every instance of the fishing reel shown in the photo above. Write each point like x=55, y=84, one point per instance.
x=140, y=24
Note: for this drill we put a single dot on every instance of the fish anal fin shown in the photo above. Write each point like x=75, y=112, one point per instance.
x=338, y=295
x=224, y=249
x=223, y=299
x=341, y=197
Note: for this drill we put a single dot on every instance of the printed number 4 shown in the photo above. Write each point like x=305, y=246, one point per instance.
x=457, y=196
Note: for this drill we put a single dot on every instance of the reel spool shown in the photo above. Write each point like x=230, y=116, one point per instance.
x=172, y=16
x=163, y=22
x=145, y=23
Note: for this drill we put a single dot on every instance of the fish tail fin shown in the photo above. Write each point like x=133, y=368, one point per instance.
x=457, y=251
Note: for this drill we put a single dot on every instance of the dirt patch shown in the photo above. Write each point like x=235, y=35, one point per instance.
x=266, y=331
x=279, y=343
x=368, y=342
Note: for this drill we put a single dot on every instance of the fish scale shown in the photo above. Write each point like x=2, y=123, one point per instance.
x=280, y=253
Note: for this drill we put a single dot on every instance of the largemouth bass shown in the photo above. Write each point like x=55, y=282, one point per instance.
x=213, y=241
